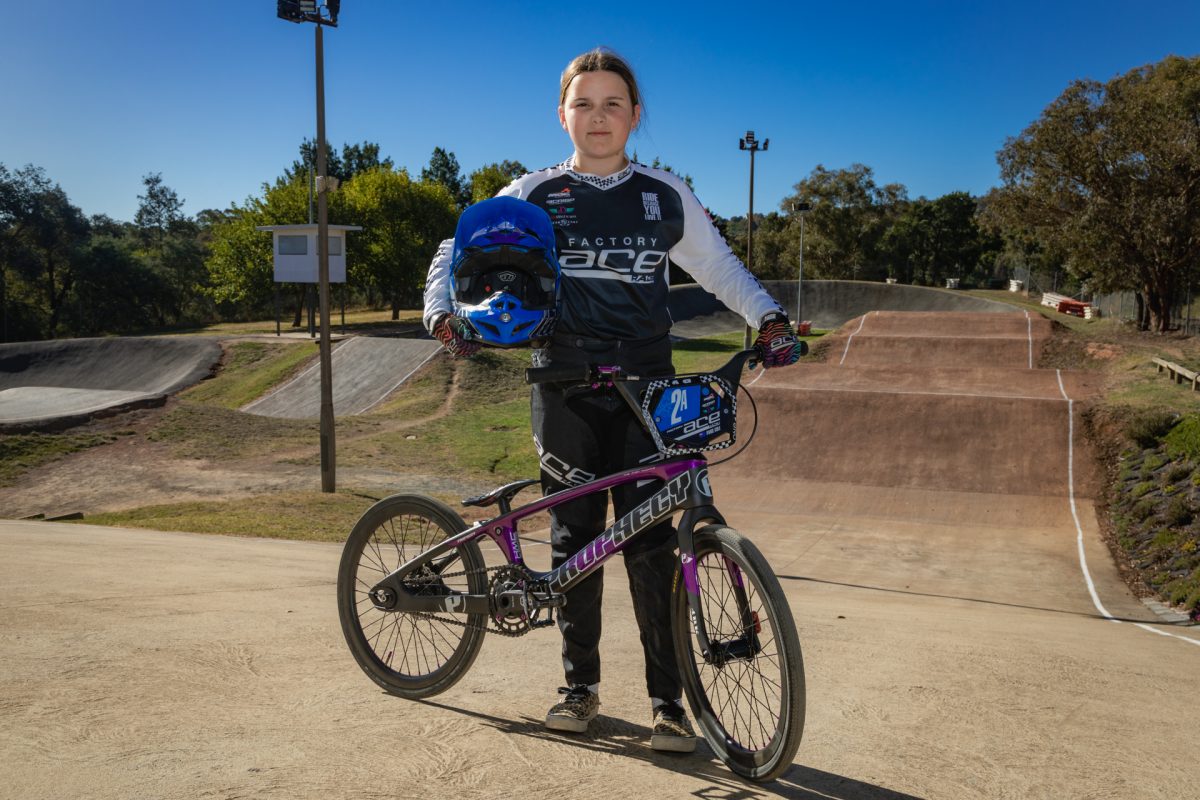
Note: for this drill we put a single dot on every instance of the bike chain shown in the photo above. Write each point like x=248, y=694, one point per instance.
x=453, y=621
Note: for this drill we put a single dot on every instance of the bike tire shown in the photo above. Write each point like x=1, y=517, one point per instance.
x=750, y=709
x=408, y=654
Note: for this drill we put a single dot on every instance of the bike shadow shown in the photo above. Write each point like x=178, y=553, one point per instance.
x=614, y=736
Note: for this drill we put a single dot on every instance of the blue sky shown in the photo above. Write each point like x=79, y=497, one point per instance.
x=217, y=96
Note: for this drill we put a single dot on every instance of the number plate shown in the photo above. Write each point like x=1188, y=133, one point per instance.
x=690, y=413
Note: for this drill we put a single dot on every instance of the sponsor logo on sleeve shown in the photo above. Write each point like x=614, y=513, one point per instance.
x=650, y=204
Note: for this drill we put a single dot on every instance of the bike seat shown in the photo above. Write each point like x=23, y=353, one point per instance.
x=502, y=495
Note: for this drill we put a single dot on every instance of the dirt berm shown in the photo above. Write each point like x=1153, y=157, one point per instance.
x=66, y=381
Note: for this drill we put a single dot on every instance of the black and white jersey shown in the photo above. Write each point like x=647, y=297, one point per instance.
x=616, y=237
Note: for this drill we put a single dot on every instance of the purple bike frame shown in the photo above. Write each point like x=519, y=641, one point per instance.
x=685, y=488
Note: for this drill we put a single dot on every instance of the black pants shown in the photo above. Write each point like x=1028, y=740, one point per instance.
x=588, y=434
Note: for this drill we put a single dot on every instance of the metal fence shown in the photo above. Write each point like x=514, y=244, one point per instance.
x=1185, y=317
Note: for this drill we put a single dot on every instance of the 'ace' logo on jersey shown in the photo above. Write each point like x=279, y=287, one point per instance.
x=624, y=264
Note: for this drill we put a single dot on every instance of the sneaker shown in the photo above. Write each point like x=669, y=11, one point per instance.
x=672, y=731
x=575, y=711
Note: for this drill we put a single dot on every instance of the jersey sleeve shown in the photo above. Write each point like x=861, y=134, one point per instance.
x=437, y=285
x=707, y=258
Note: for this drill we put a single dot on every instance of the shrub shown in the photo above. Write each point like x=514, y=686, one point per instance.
x=1184, y=438
x=1144, y=488
x=1179, y=512
x=1149, y=426
x=1163, y=539
x=1178, y=472
x=1142, y=510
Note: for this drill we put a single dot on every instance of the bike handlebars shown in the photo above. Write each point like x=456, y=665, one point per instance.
x=594, y=373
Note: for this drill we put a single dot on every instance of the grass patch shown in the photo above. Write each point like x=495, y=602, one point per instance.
x=250, y=369
x=310, y=516
x=196, y=430
x=486, y=433
x=20, y=452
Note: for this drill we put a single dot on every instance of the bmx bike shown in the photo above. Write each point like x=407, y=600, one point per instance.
x=415, y=596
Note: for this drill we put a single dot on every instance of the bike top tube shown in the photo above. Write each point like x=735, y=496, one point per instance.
x=503, y=529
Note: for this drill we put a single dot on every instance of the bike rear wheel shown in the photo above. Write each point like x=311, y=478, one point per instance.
x=409, y=654
x=748, y=697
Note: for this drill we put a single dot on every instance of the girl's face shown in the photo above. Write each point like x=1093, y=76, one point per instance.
x=598, y=115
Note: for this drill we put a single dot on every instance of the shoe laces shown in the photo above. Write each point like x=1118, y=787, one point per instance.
x=671, y=710
x=577, y=692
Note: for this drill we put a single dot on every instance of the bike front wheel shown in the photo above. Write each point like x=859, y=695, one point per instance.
x=747, y=693
x=410, y=654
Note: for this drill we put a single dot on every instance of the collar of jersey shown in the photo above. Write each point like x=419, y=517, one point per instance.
x=599, y=181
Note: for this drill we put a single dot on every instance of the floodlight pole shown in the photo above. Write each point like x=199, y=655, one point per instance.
x=328, y=466
x=801, y=209
x=748, y=142
x=310, y=11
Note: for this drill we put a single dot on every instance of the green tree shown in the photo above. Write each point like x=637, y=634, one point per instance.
x=849, y=216
x=360, y=158
x=1110, y=175
x=172, y=248
x=403, y=221
x=42, y=237
x=931, y=240
x=240, y=264
x=116, y=291
x=443, y=168
x=489, y=179
x=354, y=158
x=160, y=211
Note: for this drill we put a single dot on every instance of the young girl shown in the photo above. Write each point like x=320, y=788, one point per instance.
x=618, y=226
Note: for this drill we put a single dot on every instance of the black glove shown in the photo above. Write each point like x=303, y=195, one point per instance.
x=777, y=345
x=454, y=336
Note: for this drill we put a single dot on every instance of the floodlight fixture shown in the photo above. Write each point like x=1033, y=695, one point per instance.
x=749, y=142
x=308, y=11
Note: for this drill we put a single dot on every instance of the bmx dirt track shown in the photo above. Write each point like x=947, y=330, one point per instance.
x=919, y=493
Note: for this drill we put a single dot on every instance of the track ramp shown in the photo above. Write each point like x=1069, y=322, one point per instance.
x=927, y=498
x=365, y=371
x=66, y=381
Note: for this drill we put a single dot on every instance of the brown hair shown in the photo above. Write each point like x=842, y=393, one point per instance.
x=601, y=59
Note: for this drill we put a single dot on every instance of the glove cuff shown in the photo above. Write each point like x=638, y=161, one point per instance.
x=773, y=316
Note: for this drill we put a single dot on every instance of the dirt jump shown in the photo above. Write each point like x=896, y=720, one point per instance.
x=924, y=494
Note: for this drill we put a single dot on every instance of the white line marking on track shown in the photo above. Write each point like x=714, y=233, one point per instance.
x=905, y=391
x=1087, y=575
x=1029, y=325
x=315, y=365
x=851, y=339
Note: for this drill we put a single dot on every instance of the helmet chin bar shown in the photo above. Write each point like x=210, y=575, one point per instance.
x=501, y=320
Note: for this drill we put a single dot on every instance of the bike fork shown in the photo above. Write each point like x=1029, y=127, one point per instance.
x=718, y=652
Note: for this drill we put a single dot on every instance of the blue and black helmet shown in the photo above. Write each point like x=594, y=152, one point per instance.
x=504, y=273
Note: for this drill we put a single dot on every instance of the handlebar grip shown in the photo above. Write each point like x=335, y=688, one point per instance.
x=561, y=373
